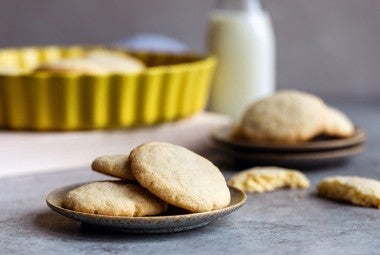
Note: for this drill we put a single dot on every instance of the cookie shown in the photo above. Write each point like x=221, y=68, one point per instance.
x=263, y=179
x=73, y=65
x=353, y=189
x=9, y=70
x=116, y=62
x=113, y=165
x=338, y=124
x=114, y=198
x=179, y=177
x=98, y=62
x=286, y=117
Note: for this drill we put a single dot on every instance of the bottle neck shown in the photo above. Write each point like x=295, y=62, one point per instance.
x=239, y=5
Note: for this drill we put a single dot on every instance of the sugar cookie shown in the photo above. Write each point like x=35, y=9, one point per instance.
x=179, y=177
x=338, y=124
x=287, y=117
x=263, y=179
x=114, y=165
x=114, y=198
x=353, y=189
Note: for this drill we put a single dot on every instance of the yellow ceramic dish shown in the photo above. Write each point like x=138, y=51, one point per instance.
x=172, y=87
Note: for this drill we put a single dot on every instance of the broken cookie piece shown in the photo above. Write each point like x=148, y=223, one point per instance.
x=263, y=179
x=353, y=189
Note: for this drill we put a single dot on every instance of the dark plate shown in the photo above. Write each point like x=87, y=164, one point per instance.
x=149, y=224
x=295, y=159
x=223, y=138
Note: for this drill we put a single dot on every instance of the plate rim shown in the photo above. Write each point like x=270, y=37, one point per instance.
x=317, y=155
x=319, y=145
x=57, y=208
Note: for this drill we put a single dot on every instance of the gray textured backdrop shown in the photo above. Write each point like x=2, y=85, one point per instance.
x=330, y=47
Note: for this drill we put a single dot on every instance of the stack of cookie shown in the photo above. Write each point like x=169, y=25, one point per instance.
x=154, y=175
x=291, y=128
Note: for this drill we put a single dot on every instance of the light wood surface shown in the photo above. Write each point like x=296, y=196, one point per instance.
x=31, y=152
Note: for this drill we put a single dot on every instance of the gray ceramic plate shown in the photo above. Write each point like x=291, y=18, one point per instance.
x=149, y=224
x=222, y=137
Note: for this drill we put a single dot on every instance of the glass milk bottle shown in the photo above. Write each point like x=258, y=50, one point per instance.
x=241, y=37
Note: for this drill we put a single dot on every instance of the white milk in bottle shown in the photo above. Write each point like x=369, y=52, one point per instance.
x=241, y=37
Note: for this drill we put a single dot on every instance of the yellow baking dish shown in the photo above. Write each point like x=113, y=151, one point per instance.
x=172, y=87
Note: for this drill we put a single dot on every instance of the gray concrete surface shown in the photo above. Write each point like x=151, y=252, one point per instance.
x=280, y=222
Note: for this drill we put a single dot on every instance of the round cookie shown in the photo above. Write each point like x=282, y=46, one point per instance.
x=73, y=65
x=287, y=116
x=114, y=198
x=179, y=177
x=9, y=70
x=338, y=124
x=115, y=62
x=113, y=165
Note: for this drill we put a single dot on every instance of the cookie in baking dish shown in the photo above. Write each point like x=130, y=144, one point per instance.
x=97, y=62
